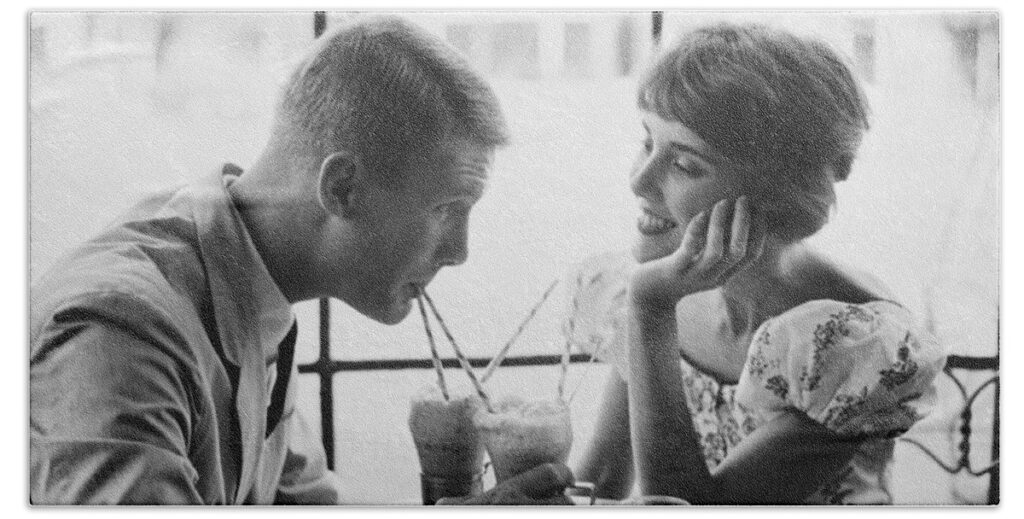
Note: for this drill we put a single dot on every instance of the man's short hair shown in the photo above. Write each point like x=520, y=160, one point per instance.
x=388, y=91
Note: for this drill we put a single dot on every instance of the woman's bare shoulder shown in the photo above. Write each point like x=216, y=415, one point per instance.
x=817, y=276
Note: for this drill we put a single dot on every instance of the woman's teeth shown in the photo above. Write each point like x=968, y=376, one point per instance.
x=650, y=224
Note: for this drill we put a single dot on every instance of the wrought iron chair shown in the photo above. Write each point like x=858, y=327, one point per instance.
x=955, y=364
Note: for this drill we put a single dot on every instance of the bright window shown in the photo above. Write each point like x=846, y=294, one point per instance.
x=122, y=104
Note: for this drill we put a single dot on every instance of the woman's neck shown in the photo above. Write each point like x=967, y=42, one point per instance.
x=762, y=290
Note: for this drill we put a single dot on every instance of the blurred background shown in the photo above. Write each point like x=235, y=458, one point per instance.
x=122, y=104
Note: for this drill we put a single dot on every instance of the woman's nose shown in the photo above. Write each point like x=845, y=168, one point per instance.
x=643, y=179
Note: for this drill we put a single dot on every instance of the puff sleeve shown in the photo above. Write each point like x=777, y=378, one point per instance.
x=860, y=370
x=595, y=312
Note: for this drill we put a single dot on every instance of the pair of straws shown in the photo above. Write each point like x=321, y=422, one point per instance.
x=458, y=352
x=492, y=366
x=500, y=357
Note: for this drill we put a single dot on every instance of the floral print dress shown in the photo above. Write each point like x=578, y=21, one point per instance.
x=862, y=370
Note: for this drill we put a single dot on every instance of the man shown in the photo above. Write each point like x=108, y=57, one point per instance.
x=161, y=350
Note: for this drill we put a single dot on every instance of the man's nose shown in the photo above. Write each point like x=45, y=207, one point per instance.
x=454, y=249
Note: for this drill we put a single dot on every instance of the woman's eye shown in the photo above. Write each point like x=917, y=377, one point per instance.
x=648, y=145
x=688, y=169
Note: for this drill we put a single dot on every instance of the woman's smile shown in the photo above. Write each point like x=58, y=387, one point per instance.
x=649, y=223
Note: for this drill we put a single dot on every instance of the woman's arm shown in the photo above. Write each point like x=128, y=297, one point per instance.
x=608, y=460
x=668, y=458
x=783, y=461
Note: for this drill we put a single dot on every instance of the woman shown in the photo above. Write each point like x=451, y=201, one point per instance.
x=754, y=370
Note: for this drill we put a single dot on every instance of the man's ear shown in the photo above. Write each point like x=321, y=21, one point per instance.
x=340, y=173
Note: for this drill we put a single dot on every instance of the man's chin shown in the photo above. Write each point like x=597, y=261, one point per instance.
x=387, y=312
x=396, y=313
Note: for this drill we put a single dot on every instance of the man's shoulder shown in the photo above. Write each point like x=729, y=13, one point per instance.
x=145, y=266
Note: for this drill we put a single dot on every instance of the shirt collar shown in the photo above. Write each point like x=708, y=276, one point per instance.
x=248, y=305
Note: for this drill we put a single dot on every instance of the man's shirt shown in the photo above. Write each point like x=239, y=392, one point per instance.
x=154, y=360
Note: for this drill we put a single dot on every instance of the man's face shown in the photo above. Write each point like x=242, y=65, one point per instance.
x=407, y=233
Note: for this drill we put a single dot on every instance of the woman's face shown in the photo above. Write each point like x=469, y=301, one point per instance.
x=676, y=176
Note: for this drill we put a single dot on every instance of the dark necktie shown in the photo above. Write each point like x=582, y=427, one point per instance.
x=285, y=354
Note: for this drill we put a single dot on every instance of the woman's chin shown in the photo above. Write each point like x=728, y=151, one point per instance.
x=646, y=248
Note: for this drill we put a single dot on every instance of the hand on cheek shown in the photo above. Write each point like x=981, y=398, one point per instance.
x=715, y=246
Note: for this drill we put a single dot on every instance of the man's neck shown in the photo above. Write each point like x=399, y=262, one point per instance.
x=271, y=210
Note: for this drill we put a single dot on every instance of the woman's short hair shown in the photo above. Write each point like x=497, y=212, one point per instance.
x=785, y=110
x=390, y=92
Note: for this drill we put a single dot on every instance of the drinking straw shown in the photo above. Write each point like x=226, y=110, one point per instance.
x=586, y=370
x=598, y=350
x=500, y=357
x=433, y=349
x=458, y=353
x=564, y=369
x=567, y=351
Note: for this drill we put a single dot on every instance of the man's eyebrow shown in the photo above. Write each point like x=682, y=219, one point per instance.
x=472, y=184
x=475, y=170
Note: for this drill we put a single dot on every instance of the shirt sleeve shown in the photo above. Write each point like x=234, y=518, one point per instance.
x=860, y=370
x=110, y=418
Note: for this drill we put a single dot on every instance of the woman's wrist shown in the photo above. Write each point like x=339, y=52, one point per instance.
x=646, y=296
x=654, y=325
x=656, y=292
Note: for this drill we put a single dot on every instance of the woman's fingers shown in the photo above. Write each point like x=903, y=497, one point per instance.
x=740, y=229
x=693, y=239
x=754, y=249
x=727, y=252
x=716, y=243
x=714, y=249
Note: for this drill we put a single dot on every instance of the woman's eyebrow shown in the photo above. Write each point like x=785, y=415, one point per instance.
x=692, y=150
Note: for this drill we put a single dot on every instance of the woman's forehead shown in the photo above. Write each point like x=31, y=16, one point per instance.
x=680, y=136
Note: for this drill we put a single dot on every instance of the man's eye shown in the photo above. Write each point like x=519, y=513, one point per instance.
x=648, y=145
x=450, y=209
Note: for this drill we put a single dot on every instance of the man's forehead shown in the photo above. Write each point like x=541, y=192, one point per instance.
x=465, y=164
x=454, y=168
x=465, y=156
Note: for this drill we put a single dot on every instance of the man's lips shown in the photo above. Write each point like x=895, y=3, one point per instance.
x=417, y=286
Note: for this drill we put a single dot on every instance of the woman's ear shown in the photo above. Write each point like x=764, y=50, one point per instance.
x=339, y=176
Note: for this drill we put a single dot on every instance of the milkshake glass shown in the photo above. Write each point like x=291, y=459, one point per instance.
x=522, y=434
x=450, y=451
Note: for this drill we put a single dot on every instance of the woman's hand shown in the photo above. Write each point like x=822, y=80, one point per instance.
x=713, y=248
